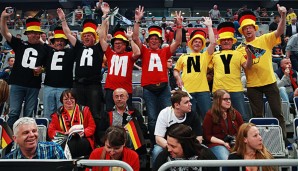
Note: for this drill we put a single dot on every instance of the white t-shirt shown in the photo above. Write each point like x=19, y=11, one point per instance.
x=165, y=119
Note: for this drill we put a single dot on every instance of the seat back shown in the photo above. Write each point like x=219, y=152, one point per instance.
x=42, y=133
x=285, y=106
x=42, y=121
x=295, y=126
x=295, y=99
x=273, y=139
x=264, y=121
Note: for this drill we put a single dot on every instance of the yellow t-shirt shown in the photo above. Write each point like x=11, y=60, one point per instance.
x=290, y=16
x=261, y=73
x=194, y=71
x=227, y=70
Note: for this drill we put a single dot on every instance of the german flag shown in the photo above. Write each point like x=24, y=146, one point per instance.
x=6, y=135
x=135, y=133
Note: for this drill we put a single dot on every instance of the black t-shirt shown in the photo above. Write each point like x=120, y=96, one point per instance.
x=27, y=57
x=88, y=63
x=192, y=120
x=59, y=68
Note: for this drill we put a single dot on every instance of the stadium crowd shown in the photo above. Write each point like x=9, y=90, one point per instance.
x=195, y=106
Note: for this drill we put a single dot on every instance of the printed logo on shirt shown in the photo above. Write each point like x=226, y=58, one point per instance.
x=29, y=58
x=118, y=63
x=155, y=62
x=87, y=59
x=192, y=63
x=226, y=60
x=57, y=57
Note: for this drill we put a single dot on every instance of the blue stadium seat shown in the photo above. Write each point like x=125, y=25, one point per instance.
x=264, y=121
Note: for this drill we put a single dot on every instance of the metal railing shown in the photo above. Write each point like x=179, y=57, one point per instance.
x=109, y=163
x=231, y=163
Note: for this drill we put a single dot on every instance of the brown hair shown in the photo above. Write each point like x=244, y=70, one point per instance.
x=68, y=93
x=177, y=96
x=116, y=136
x=216, y=109
x=4, y=91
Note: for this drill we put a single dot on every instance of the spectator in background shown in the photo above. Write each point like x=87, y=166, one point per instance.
x=114, y=149
x=143, y=36
x=87, y=7
x=274, y=24
x=292, y=28
x=172, y=80
x=153, y=21
x=5, y=73
x=79, y=14
x=221, y=124
x=257, y=13
x=4, y=92
x=98, y=12
x=249, y=146
x=25, y=135
x=291, y=14
x=229, y=13
x=286, y=80
x=264, y=17
x=182, y=144
x=292, y=50
x=163, y=23
x=214, y=14
x=43, y=37
x=169, y=35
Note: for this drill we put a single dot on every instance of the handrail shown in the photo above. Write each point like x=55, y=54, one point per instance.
x=108, y=163
x=230, y=163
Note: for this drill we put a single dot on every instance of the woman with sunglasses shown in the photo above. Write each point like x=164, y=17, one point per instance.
x=221, y=124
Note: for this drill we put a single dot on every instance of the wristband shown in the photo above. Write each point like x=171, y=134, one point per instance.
x=138, y=22
x=63, y=20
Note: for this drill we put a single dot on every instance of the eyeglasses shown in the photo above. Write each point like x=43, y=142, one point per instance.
x=69, y=99
x=226, y=99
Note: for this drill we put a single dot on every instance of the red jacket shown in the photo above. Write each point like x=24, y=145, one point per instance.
x=129, y=156
x=220, y=130
x=88, y=123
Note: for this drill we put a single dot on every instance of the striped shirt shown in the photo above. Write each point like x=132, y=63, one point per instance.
x=44, y=150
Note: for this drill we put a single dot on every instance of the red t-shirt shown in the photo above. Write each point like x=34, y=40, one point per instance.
x=154, y=65
x=129, y=156
x=120, y=70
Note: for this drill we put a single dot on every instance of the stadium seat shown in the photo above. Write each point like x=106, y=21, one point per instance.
x=285, y=109
x=42, y=121
x=42, y=133
x=272, y=135
x=296, y=104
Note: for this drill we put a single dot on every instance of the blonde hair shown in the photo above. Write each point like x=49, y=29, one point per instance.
x=240, y=146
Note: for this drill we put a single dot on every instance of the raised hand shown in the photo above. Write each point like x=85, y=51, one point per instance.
x=179, y=18
x=105, y=8
x=281, y=10
x=207, y=21
x=139, y=13
x=5, y=14
x=129, y=32
x=61, y=14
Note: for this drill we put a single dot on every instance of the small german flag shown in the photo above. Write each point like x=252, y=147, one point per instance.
x=135, y=133
x=6, y=135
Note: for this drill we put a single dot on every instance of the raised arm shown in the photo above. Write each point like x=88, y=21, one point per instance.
x=4, y=29
x=212, y=44
x=178, y=40
x=282, y=23
x=102, y=32
x=135, y=49
x=139, y=12
x=72, y=40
